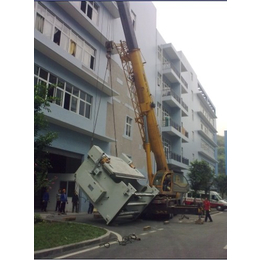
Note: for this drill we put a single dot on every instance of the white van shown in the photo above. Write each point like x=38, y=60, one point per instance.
x=215, y=199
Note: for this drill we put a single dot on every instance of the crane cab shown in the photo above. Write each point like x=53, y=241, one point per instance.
x=169, y=183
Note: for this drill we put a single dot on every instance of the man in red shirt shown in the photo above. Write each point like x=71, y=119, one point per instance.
x=206, y=203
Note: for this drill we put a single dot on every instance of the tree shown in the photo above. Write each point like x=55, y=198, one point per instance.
x=42, y=139
x=221, y=184
x=200, y=176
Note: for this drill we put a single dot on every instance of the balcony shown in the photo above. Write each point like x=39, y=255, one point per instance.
x=172, y=128
x=174, y=76
x=207, y=119
x=170, y=51
x=184, y=132
x=173, y=100
x=171, y=72
x=184, y=82
x=207, y=137
x=206, y=101
x=177, y=161
x=208, y=156
x=111, y=6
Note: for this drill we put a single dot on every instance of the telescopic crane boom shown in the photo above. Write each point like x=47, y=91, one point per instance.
x=130, y=55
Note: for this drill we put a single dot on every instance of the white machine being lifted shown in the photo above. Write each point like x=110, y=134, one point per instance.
x=111, y=184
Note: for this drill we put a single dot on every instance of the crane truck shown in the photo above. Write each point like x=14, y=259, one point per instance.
x=111, y=183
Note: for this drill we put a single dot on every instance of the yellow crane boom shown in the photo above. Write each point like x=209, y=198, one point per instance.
x=143, y=104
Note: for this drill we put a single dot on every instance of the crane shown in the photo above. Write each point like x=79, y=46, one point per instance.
x=131, y=58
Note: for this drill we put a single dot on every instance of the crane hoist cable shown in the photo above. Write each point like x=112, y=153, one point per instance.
x=113, y=107
x=98, y=108
x=108, y=67
x=99, y=103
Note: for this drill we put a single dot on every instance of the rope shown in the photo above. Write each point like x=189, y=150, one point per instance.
x=113, y=107
x=96, y=118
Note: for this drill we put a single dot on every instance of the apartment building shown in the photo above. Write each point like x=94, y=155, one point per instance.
x=94, y=106
x=201, y=121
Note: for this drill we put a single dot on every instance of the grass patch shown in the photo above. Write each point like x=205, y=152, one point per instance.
x=53, y=234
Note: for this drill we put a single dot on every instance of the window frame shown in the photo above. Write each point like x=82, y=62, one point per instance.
x=128, y=132
x=67, y=94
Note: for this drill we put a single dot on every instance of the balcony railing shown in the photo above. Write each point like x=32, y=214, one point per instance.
x=168, y=65
x=184, y=132
x=184, y=82
x=176, y=157
x=185, y=161
x=173, y=156
x=169, y=122
x=184, y=105
x=170, y=92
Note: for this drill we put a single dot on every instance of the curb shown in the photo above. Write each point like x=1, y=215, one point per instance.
x=60, y=249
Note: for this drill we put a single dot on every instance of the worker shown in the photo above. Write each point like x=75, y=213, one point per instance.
x=167, y=183
x=206, y=203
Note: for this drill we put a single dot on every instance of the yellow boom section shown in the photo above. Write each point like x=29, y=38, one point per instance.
x=147, y=108
x=143, y=106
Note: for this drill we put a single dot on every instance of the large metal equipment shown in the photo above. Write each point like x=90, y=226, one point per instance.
x=111, y=184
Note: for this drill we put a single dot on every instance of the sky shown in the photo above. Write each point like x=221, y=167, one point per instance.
x=195, y=28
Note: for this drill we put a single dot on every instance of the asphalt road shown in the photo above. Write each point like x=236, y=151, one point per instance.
x=176, y=239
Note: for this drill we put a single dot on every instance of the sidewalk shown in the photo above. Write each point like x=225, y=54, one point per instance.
x=54, y=217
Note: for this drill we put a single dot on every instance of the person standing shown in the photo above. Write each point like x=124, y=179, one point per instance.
x=75, y=202
x=45, y=200
x=206, y=203
x=90, y=208
x=57, y=208
x=63, y=201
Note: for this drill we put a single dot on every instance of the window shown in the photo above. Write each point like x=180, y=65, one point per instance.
x=66, y=95
x=85, y=104
x=192, y=115
x=72, y=48
x=159, y=79
x=90, y=8
x=128, y=128
x=159, y=53
x=166, y=117
x=159, y=109
x=57, y=36
x=83, y=6
x=89, y=56
x=39, y=23
x=54, y=29
x=167, y=148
